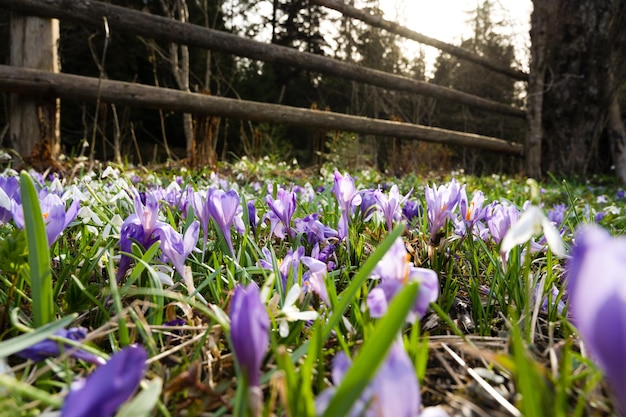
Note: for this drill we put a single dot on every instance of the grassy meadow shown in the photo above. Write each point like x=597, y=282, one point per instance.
x=265, y=290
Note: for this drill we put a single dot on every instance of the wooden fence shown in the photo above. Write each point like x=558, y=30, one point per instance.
x=46, y=84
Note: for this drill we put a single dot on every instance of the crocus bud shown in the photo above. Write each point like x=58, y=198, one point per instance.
x=108, y=387
x=249, y=326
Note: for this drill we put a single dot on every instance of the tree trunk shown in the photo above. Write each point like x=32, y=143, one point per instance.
x=34, y=120
x=535, y=90
x=577, y=47
x=617, y=138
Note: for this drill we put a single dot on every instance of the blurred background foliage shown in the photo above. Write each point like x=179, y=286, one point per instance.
x=151, y=136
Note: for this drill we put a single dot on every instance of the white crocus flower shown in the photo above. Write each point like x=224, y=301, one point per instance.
x=533, y=222
x=56, y=186
x=113, y=226
x=164, y=273
x=290, y=312
x=5, y=201
x=110, y=172
x=87, y=215
x=73, y=193
x=89, y=218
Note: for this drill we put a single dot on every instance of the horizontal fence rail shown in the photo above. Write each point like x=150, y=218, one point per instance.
x=379, y=22
x=65, y=86
x=157, y=27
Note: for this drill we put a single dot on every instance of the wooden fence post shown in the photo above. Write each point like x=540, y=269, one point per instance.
x=34, y=122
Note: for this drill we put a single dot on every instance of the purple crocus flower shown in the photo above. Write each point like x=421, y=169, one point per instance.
x=315, y=230
x=174, y=197
x=412, y=210
x=103, y=392
x=176, y=248
x=253, y=218
x=9, y=187
x=324, y=254
x=289, y=264
x=55, y=216
x=472, y=211
x=391, y=205
x=52, y=348
x=368, y=204
x=597, y=295
x=500, y=217
x=599, y=216
x=440, y=203
x=394, y=264
x=281, y=212
x=394, y=270
x=225, y=209
x=201, y=210
x=267, y=261
x=176, y=322
x=393, y=392
x=314, y=277
x=347, y=197
x=143, y=227
x=249, y=326
x=556, y=214
x=379, y=298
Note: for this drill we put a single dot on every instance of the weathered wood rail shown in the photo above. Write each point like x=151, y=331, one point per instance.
x=42, y=83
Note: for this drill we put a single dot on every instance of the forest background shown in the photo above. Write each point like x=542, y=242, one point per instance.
x=155, y=136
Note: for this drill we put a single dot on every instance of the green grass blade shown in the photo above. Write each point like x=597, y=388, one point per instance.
x=372, y=353
x=21, y=342
x=19, y=388
x=38, y=253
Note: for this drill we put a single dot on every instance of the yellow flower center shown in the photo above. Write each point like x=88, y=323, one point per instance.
x=468, y=215
x=407, y=269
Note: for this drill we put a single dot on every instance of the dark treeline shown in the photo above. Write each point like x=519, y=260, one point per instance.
x=152, y=136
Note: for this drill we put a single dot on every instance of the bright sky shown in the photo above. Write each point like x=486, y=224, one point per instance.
x=447, y=20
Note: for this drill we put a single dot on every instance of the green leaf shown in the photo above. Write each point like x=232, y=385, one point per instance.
x=38, y=252
x=373, y=353
x=18, y=343
x=138, y=256
x=144, y=402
